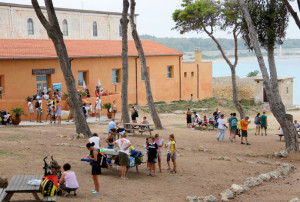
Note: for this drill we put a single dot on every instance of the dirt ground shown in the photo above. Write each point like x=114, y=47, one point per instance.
x=23, y=148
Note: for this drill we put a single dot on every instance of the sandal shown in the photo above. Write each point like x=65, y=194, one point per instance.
x=242, y=143
x=248, y=144
x=174, y=172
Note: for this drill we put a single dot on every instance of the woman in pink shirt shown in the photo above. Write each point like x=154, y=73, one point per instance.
x=68, y=181
x=159, y=144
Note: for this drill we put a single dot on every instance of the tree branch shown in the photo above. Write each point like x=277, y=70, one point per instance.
x=40, y=14
x=219, y=46
x=235, y=46
x=292, y=12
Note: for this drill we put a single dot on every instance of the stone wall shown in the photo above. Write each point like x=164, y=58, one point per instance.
x=222, y=87
x=13, y=23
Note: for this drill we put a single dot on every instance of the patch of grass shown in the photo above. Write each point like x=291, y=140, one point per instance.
x=14, y=138
x=160, y=102
x=6, y=152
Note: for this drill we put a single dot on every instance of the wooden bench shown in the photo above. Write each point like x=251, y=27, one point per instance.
x=282, y=135
x=49, y=198
x=19, y=184
x=141, y=128
x=2, y=194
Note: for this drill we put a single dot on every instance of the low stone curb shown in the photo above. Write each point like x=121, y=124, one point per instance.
x=283, y=170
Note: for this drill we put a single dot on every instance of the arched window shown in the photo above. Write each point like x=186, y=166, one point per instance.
x=120, y=30
x=30, y=29
x=95, y=32
x=65, y=27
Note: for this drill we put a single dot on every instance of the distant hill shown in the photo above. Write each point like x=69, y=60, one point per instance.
x=207, y=44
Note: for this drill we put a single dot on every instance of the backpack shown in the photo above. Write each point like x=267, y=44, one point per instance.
x=256, y=120
x=136, y=113
x=234, y=122
x=48, y=188
x=37, y=104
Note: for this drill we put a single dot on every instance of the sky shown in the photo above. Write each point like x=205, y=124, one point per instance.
x=155, y=16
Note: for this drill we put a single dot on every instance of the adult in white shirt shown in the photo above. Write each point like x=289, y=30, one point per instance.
x=98, y=107
x=30, y=108
x=39, y=111
x=221, y=127
x=95, y=139
x=123, y=145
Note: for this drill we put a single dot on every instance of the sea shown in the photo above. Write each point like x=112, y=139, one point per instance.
x=286, y=67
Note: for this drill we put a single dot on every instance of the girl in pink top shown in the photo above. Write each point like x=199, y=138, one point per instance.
x=68, y=181
x=159, y=144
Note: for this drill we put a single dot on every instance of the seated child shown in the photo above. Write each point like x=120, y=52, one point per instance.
x=68, y=181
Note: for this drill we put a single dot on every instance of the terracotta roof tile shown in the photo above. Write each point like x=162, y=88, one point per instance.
x=35, y=48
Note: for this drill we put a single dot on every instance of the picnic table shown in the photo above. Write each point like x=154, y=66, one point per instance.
x=282, y=135
x=114, y=153
x=19, y=184
x=141, y=128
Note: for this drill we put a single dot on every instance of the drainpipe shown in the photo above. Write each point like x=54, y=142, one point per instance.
x=136, y=82
x=198, y=81
x=180, y=77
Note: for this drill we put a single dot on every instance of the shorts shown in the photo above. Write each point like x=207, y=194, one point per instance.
x=96, y=168
x=133, y=117
x=31, y=111
x=244, y=133
x=152, y=159
x=257, y=124
x=98, y=111
x=67, y=189
x=233, y=131
x=115, y=111
x=173, y=157
x=263, y=126
x=39, y=111
x=123, y=159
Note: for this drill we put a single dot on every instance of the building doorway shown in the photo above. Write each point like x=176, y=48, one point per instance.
x=41, y=83
x=265, y=98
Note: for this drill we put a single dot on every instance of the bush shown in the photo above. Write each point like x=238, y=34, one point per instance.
x=82, y=93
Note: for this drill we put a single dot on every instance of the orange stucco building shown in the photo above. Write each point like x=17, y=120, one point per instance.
x=28, y=64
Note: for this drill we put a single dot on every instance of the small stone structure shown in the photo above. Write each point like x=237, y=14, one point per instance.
x=251, y=88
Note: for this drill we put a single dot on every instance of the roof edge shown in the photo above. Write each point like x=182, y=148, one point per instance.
x=78, y=57
x=62, y=9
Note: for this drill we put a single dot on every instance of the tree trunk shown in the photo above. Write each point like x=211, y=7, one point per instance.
x=55, y=34
x=139, y=47
x=235, y=98
x=292, y=12
x=275, y=102
x=124, y=22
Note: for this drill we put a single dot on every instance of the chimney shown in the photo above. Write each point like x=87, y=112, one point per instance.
x=198, y=55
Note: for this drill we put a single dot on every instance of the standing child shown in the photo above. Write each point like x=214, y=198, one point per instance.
x=245, y=122
x=152, y=153
x=221, y=127
x=172, y=153
x=58, y=112
x=146, y=151
x=53, y=111
x=159, y=144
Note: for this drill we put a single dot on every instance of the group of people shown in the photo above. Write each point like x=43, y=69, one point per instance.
x=152, y=151
x=53, y=107
x=235, y=126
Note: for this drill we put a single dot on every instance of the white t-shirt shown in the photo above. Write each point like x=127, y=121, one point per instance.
x=46, y=97
x=123, y=143
x=169, y=147
x=221, y=123
x=87, y=110
x=30, y=106
x=41, y=104
x=96, y=140
x=98, y=104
